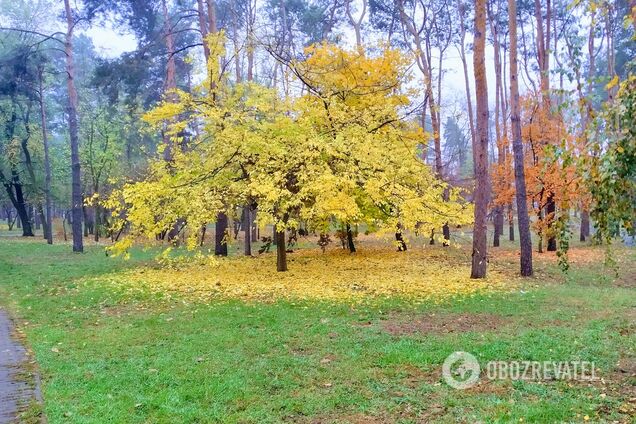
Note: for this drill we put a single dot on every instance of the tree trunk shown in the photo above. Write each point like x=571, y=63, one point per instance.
x=281, y=251
x=96, y=222
x=170, y=83
x=251, y=44
x=550, y=211
x=517, y=146
x=37, y=218
x=446, y=234
x=16, y=196
x=87, y=223
x=37, y=212
x=585, y=224
x=212, y=16
x=220, y=236
x=13, y=185
x=401, y=244
x=247, y=230
x=480, y=147
x=23, y=213
x=350, y=244
x=9, y=219
x=64, y=219
x=255, y=228
x=48, y=227
x=543, y=58
x=511, y=224
x=499, y=137
x=356, y=23
x=437, y=142
x=550, y=216
x=499, y=226
x=203, y=27
x=76, y=197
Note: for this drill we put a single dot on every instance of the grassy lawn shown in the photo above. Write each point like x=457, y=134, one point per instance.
x=109, y=351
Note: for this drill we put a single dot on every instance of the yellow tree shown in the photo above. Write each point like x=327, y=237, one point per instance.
x=344, y=150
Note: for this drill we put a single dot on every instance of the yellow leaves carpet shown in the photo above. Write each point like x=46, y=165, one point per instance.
x=416, y=275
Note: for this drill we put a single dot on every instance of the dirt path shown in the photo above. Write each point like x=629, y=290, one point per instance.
x=16, y=392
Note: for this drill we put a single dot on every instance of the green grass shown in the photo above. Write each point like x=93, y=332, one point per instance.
x=142, y=358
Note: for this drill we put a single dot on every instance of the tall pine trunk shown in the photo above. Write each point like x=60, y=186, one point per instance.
x=517, y=147
x=543, y=59
x=501, y=152
x=76, y=196
x=480, y=147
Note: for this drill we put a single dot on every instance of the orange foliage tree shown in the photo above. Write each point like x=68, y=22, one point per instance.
x=550, y=168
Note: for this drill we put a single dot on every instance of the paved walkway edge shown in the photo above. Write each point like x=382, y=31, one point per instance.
x=19, y=386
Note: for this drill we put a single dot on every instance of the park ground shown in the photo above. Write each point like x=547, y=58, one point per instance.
x=339, y=339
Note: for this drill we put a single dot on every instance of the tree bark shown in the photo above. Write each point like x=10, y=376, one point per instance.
x=13, y=184
x=220, y=236
x=251, y=44
x=543, y=58
x=399, y=239
x=170, y=82
x=480, y=147
x=247, y=230
x=550, y=210
x=281, y=251
x=212, y=27
x=48, y=227
x=38, y=211
x=585, y=225
x=511, y=224
x=203, y=27
x=76, y=197
x=13, y=188
x=501, y=155
x=96, y=222
x=517, y=146
x=350, y=243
